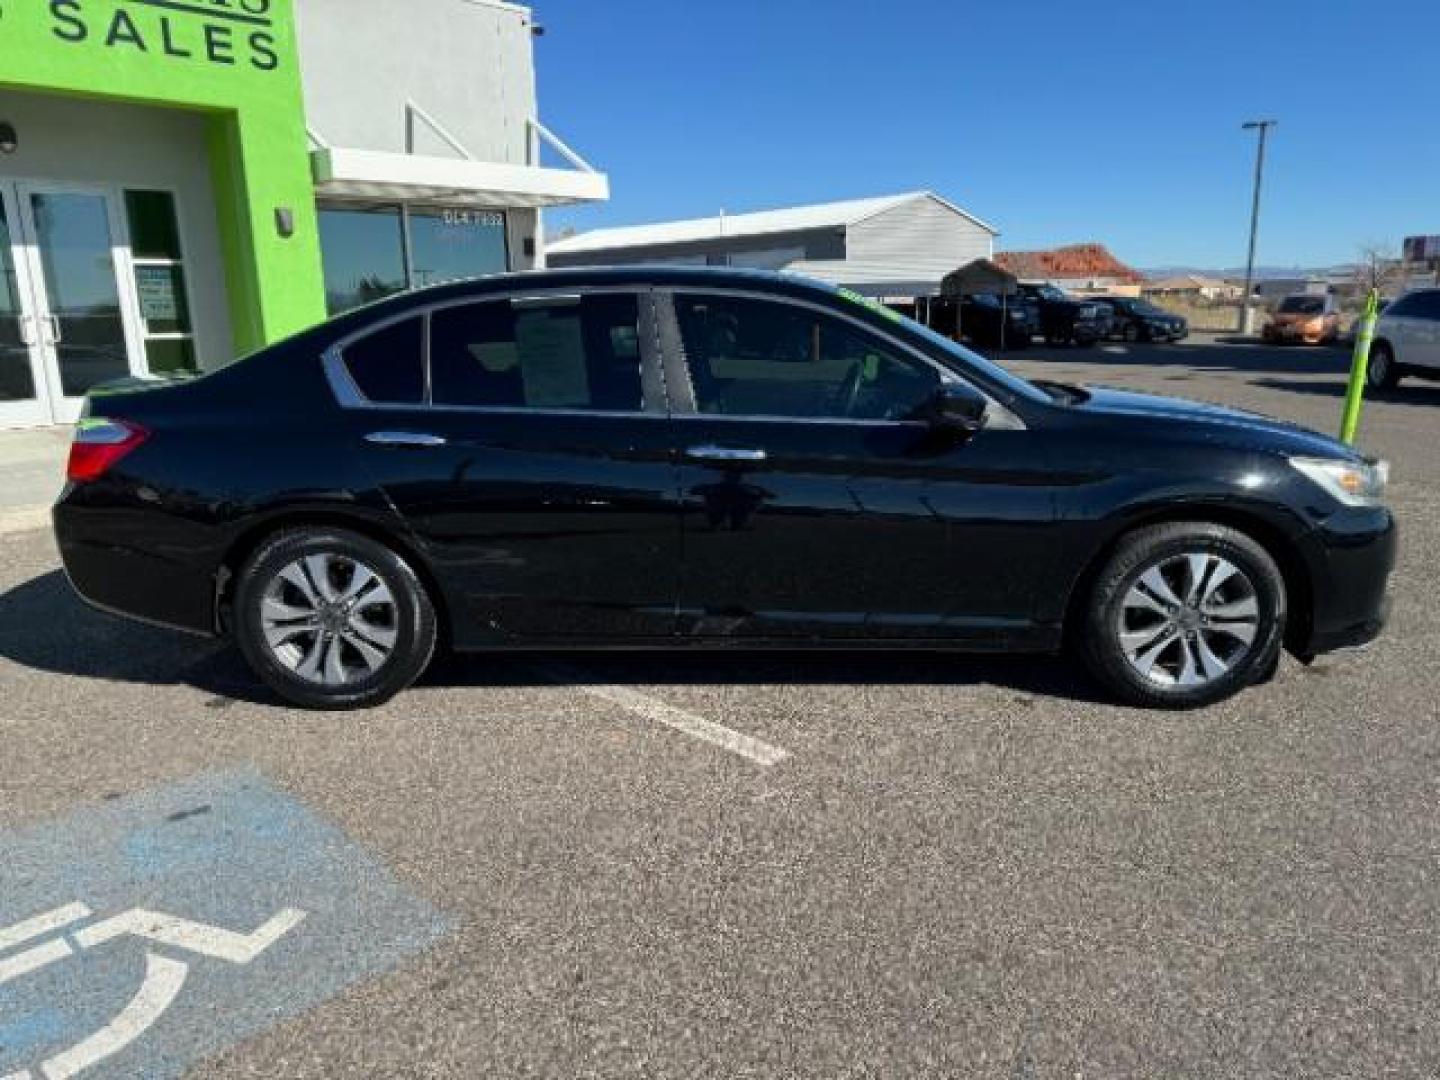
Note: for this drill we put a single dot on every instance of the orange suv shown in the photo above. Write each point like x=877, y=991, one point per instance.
x=1305, y=317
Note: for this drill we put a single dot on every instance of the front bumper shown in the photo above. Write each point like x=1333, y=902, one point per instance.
x=1351, y=556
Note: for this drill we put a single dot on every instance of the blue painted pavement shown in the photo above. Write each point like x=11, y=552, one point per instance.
x=139, y=935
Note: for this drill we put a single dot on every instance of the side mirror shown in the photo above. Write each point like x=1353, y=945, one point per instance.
x=957, y=405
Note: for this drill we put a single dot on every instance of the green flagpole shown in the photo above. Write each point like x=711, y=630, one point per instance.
x=1355, y=396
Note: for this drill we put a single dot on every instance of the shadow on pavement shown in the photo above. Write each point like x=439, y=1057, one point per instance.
x=1417, y=394
x=1220, y=354
x=44, y=626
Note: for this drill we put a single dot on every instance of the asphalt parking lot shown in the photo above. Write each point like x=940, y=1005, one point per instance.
x=741, y=866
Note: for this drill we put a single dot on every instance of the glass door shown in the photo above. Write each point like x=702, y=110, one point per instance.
x=23, y=400
x=87, y=324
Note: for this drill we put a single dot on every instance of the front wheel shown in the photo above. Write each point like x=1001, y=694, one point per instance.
x=1184, y=615
x=331, y=619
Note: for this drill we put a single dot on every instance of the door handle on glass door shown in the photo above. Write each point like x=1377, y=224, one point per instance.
x=404, y=438
x=27, y=329
x=56, y=335
x=724, y=453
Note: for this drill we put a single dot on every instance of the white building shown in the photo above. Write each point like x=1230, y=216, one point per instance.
x=896, y=245
x=184, y=182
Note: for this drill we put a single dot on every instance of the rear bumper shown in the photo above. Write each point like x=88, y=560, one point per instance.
x=1351, y=557
x=113, y=561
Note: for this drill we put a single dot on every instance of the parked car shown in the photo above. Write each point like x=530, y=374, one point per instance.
x=980, y=319
x=1304, y=317
x=1133, y=319
x=706, y=459
x=1065, y=319
x=1407, y=340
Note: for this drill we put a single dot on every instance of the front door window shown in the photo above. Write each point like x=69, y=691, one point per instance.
x=758, y=358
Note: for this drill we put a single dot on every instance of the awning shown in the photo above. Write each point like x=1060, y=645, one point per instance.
x=371, y=174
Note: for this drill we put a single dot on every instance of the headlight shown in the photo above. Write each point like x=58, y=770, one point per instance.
x=1354, y=483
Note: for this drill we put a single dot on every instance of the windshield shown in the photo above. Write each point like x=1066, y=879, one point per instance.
x=1008, y=381
x=1050, y=292
x=1302, y=305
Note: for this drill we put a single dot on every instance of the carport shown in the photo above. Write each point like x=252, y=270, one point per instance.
x=976, y=278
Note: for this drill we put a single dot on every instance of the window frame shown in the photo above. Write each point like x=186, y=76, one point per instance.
x=682, y=391
x=180, y=262
x=654, y=391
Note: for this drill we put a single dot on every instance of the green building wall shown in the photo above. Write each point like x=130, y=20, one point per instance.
x=237, y=62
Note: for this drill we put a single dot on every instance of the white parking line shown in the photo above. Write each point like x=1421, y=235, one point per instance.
x=194, y=937
x=40, y=925
x=657, y=711
x=33, y=959
x=163, y=980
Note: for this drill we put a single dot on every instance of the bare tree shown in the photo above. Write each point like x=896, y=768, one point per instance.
x=1378, y=266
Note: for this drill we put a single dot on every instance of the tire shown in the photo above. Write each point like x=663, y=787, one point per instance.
x=1197, y=656
x=357, y=656
x=1383, y=372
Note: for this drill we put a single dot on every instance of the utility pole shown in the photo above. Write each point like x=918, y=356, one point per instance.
x=1263, y=127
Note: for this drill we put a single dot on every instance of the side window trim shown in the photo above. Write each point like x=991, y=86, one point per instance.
x=685, y=406
x=348, y=394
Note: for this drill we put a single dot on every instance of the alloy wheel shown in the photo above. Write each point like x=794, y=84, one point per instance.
x=330, y=619
x=1189, y=619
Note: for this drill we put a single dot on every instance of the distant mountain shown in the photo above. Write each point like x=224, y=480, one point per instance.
x=1262, y=273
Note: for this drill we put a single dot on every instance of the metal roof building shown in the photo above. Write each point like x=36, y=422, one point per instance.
x=896, y=245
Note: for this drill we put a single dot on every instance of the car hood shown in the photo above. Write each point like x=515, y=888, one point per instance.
x=1232, y=425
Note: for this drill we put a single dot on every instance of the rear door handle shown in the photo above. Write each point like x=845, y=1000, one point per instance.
x=404, y=438
x=724, y=453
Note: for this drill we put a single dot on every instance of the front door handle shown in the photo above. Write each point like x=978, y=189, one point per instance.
x=724, y=453
x=404, y=438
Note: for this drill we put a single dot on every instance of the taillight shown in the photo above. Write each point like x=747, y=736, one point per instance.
x=99, y=443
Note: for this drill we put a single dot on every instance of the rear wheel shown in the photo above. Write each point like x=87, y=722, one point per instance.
x=1383, y=373
x=1184, y=615
x=330, y=619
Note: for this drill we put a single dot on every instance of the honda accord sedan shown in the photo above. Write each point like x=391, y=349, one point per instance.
x=706, y=459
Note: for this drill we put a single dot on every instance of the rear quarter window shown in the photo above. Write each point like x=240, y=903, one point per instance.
x=388, y=366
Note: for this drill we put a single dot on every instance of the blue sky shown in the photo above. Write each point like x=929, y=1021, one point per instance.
x=1057, y=122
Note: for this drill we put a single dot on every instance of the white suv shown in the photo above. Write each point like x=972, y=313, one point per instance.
x=1407, y=339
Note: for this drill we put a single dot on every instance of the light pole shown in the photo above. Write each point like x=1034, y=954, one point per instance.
x=1263, y=127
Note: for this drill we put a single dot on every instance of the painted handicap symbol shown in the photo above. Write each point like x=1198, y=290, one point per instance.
x=164, y=977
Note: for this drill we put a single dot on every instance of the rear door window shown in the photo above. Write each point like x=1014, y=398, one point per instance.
x=388, y=366
x=553, y=354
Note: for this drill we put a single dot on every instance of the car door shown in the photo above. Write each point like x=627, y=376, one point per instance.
x=817, y=504
x=1423, y=331
x=528, y=450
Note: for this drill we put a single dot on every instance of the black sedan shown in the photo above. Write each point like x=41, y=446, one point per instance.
x=673, y=458
x=1140, y=320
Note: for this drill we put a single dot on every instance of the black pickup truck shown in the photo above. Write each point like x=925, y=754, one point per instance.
x=1065, y=319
